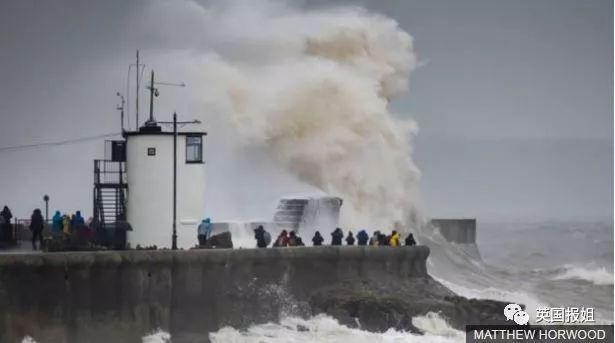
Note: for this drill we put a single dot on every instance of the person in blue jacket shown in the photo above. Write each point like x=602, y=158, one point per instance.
x=77, y=222
x=204, y=231
x=362, y=237
x=56, y=222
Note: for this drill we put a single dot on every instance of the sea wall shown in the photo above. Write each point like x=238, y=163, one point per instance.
x=120, y=296
x=457, y=230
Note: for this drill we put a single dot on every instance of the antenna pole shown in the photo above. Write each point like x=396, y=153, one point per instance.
x=122, y=114
x=121, y=109
x=174, y=237
x=175, y=123
x=137, y=101
x=151, y=99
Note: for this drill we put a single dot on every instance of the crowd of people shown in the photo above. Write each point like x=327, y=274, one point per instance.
x=292, y=239
x=61, y=224
x=64, y=225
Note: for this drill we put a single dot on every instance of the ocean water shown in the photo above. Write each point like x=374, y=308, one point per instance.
x=544, y=264
x=550, y=264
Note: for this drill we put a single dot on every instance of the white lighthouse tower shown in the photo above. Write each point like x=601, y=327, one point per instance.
x=150, y=199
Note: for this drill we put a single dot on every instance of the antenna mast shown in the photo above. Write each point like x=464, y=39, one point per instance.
x=137, y=101
x=150, y=124
x=121, y=109
x=152, y=92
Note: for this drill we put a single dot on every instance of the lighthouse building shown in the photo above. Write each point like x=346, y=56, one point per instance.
x=149, y=205
x=134, y=188
x=149, y=190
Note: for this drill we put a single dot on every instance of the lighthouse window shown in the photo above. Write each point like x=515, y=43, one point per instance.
x=194, y=149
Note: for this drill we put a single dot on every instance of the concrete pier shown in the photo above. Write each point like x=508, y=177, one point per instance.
x=457, y=230
x=120, y=296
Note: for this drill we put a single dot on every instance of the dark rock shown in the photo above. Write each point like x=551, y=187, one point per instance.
x=219, y=241
x=378, y=306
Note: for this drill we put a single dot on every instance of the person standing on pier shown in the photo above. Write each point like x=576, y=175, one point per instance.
x=294, y=240
x=77, y=221
x=336, y=236
x=263, y=238
x=317, y=239
x=362, y=237
x=282, y=240
x=410, y=240
x=394, y=240
x=66, y=224
x=56, y=223
x=204, y=230
x=375, y=240
x=350, y=238
x=37, y=224
x=5, y=228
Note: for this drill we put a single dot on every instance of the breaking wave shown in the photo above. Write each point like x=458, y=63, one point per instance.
x=461, y=268
x=159, y=336
x=322, y=328
x=598, y=276
x=314, y=95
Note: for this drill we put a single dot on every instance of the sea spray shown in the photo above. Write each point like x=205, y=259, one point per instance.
x=314, y=94
x=295, y=99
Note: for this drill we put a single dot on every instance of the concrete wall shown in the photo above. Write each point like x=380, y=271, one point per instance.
x=457, y=230
x=120, y=296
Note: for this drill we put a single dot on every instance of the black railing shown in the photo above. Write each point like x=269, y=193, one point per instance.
x=109, y=172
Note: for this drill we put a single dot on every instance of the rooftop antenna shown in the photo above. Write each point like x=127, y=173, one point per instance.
x=153, y=91
x=137, y=101
x=151, y=122
x=121, y=109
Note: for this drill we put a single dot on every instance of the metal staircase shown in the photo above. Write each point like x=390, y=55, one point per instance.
x=110, y=190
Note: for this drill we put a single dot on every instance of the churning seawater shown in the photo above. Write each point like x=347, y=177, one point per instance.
x=545, y=264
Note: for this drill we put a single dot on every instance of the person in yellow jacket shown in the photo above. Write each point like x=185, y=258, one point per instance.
x=66, y=224
x=394, y=241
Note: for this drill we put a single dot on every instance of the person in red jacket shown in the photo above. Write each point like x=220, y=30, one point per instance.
x=282, y=240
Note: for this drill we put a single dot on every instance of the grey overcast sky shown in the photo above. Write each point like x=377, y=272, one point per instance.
x=514, y=99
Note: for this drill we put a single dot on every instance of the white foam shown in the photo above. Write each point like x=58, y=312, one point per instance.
x=598, y=276
x=531, y=303
x=433, y=324
x=322, y=328
x=158, y=336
